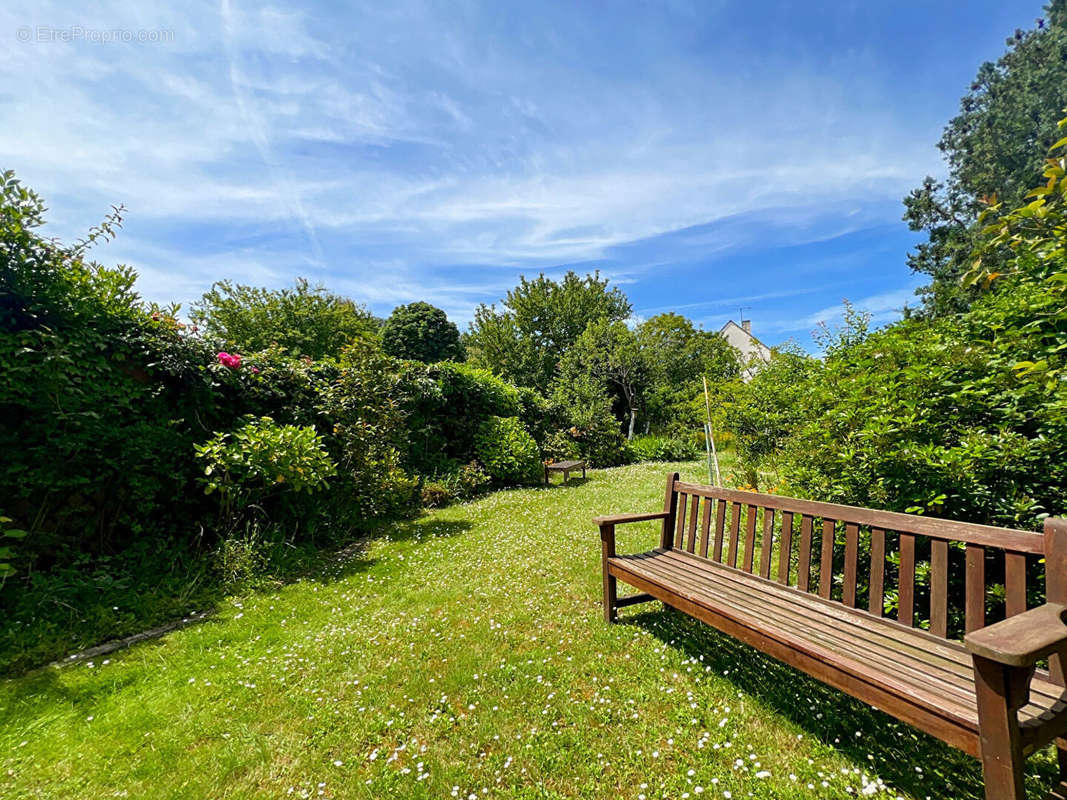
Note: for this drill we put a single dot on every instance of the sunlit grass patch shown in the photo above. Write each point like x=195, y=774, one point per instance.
x=463, y=654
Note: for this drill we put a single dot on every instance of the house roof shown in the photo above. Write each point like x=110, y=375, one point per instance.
x=731, y=323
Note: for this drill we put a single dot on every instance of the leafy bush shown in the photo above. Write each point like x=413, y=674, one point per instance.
x=436, y=495
x=763, y=413
x=95, y=422
x=535, y=413
x=7, y=551
x=445, y=404
x=259, y=458
x=663, y=448
x=364, y=407
x=305, y=320
x=507, y=450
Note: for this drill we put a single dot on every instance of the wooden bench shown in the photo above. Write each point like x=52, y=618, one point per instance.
x=566, y=467
x=785, y=576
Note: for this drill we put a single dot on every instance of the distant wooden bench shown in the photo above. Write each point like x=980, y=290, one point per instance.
x=736, y=561
x=566, y=467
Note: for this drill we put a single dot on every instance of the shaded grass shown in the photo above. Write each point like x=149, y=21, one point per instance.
x=461, y=653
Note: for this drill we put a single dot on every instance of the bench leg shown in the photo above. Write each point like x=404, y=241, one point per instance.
x=1001, y=692
x=607, y=550
x=610, y=594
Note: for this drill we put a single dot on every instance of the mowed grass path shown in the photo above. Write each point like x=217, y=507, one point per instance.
x=464, y=655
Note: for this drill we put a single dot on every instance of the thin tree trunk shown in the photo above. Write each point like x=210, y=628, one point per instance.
x=633, y=421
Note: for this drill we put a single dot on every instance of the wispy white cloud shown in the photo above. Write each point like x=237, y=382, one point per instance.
x=373, y=145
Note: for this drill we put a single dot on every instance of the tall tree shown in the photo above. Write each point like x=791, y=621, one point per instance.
x=679, y=355
x=540, y=320
x=994, y=149
x=421, y=332
x=609, y=353
x=306, y=320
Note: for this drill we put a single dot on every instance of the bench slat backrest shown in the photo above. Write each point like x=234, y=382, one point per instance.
x=905, y=567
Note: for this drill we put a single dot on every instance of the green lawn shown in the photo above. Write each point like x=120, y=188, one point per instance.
x=463, y=655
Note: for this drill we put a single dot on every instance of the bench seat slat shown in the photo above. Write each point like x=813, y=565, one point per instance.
x=931, y=676
x=766, y=543
x=826, y=559
x=937, y=671
x=1014, y=584
x=785, y=548
x=804, y=558
x=705, y=527
x=720, y=527
x=692, y=536
x=948, y=658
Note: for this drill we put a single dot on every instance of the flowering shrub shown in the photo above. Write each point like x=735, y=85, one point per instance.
x=231, y=360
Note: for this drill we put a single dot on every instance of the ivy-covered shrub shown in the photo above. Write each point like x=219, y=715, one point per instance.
x=507, y=450
x=445, y=404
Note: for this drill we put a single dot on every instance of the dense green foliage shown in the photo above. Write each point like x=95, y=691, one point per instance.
x=421, y=332
x=260, y=457
x=609, y=354
x=507, y=450
x=304, y=321
x=994, y=148
x=540, y=320
x=663, y=448
x=962, y=416
x=679, y=357
x=445, y=404
x=586, y=427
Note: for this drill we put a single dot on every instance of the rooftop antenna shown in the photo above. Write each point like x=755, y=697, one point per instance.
x=741, y=311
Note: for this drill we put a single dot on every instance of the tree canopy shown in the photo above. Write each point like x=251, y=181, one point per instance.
x=421, y=332
x=994, y=149
x=305, y=320
x=540, y=320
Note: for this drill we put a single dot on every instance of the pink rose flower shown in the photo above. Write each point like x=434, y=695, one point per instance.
x=231, y=360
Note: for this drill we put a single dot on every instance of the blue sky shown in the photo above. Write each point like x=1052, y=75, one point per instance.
x=704, y=156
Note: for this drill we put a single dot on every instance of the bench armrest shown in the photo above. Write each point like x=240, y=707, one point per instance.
x=619, y=519
x=1024, y=639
